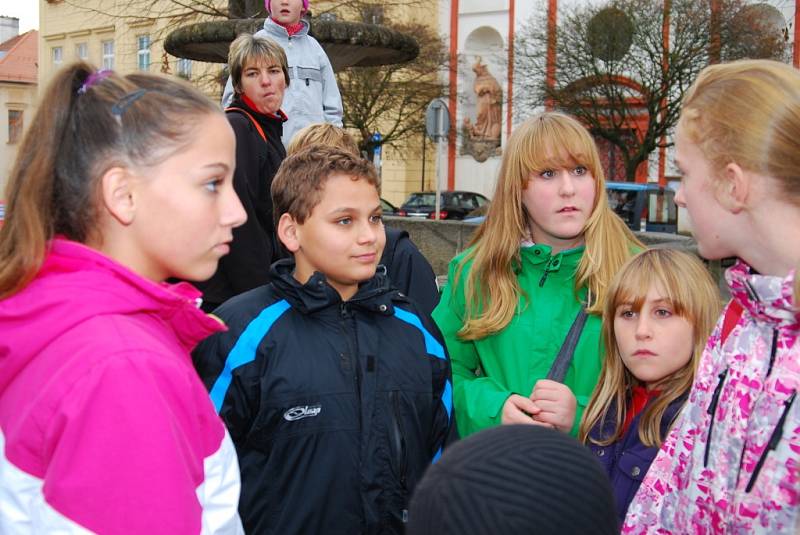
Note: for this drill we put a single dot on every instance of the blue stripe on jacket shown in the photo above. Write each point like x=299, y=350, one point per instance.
x=244, y=350
x=433, y=347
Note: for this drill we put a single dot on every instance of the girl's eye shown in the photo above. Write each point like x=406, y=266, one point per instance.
x=627, y=314
x=579, y=171
x=663, y=312
x=377, y=218
x=213, y=186
x=344, y=221
x=547, y=173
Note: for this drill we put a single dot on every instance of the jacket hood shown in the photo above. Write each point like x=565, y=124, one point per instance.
x=768, y=298
x=375, y=295
x=77, y=283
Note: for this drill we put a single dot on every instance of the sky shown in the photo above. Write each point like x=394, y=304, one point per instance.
x=27, y=11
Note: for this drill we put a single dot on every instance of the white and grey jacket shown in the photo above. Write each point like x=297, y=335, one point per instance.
x=312, y=95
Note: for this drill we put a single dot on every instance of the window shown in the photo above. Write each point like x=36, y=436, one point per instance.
x=183, y=68
x=14, y=126
x=82, y=51
x=58, y=56
x=143, y=52
x=108, y=54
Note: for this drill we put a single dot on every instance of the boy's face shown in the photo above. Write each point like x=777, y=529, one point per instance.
x=286, y=11
x=343, y=238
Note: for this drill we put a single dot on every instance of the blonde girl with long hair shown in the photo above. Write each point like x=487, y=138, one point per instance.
x=658, y=313
x=547, y=249
x=730, y=464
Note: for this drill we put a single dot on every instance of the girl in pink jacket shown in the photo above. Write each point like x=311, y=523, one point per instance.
x=731, y=463
x=120, y=183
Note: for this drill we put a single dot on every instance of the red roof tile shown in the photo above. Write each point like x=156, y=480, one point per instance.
x=20, y=61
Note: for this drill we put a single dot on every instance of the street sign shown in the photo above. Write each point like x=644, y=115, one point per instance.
x=437, y=119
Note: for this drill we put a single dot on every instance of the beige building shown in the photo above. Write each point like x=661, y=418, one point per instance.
x=115, y=34
x=18, y=58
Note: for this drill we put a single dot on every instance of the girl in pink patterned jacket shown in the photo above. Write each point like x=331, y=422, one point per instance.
x=731, y=463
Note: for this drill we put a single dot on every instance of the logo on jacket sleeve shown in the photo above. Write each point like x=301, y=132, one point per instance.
x=302, y=411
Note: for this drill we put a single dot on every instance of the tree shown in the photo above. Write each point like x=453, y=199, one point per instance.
x=392, y=99
x=616, y=72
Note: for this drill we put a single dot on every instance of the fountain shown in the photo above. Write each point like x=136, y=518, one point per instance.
x=347, y=44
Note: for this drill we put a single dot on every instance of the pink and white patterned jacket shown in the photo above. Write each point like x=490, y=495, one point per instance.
x=731, y=463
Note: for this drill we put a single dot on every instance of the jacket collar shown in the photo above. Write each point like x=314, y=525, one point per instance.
x=375, y=295
x=768, y=298
x=241, y=101
x=276, y=29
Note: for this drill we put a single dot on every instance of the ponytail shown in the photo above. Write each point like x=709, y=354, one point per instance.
x=88, y=123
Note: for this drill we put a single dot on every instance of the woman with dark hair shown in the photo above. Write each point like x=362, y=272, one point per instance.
x=260, y=77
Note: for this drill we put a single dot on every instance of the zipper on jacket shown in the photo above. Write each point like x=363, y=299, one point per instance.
x=345, y=313
x=399, y=439
x=774, y=439
x=773, y=351
x=552, y=261
x=712, y=410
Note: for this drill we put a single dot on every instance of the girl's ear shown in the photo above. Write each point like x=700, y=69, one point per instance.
x=734, y=188
x=117, y=194
x=288, y=233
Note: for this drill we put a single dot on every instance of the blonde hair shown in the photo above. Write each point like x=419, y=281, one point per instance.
x=250, y=49
x=763, y=135
x=692, y=294
x=322, y=134
x=547, y=140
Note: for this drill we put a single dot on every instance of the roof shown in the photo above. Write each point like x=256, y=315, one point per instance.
x=19, y=58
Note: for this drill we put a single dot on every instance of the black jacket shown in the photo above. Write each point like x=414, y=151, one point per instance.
x=409, y=270
x=336, y=408
x=254, y=247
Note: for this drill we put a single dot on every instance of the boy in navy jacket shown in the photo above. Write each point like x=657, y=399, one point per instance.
x=335, y=388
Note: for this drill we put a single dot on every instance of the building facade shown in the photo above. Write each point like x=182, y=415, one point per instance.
x=125, y=36
x=482, y=37
x=18, y=90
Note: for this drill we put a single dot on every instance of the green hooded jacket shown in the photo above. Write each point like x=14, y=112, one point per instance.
x=487, y=371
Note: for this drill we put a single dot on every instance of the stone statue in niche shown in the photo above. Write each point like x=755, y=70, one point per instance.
x=482, y=139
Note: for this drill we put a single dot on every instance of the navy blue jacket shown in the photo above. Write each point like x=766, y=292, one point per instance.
x=626, y=461
x=336, y=408
x=409, y=271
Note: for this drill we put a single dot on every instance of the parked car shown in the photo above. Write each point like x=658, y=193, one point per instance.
x=388, y=208
x=453, y=204
x=647, y=206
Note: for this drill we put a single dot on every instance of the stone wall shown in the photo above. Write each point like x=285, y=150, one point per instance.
x=440, y=241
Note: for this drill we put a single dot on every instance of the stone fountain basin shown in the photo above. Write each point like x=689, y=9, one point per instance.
x=347, y=44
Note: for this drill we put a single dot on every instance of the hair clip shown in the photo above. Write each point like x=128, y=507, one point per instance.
x=93, y=79
x=122, y=104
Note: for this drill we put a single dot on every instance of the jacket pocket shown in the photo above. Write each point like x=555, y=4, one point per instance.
x=306, y=75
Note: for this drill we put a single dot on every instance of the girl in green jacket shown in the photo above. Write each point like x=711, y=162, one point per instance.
x=548, y=249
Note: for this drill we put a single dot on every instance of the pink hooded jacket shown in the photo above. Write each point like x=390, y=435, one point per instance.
x=731, y=463
x=104, y=425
